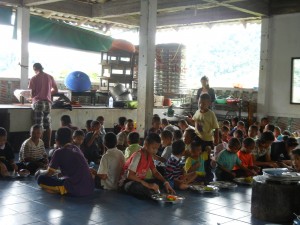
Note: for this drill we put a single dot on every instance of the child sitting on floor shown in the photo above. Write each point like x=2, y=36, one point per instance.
x=227, y=160
x=135, y=170
x=93, y=144
x=78, y=138
x=111, y=164
x=223, y=139
x=253, y=132
x=133, y=142
x=239, y=135
x=188, y=137
x=296, y=159
x=174, y=172
x=6, y=155
x=32, y=154
x=196, y=163
x=247, y=161
x=177, y=135
x=77, y=179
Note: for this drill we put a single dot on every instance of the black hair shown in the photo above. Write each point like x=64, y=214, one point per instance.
x=183, y=122
x=177, y=134
x=239, y=133
x=122, y=120
x=164, y=121
x=35, y=126
x=95, y=123
x=205, y=78
x=296, y=151
x=254, y=127
x=205, y=97
x=133, y=137
x=195, y=145
x=66, y=119
x=78, y=132
x=178, y=147
x=88, y=123
x=241, y=123
x=153, y=138
x=100, y=118
x=266, y=137
x=248, y=142
x=3, y=132
x=38, y=66
x=191, y=132
x=110, y=140
x=270, y=127
x=63, y=135
x=224, y=128
x=234, y=142
x=286, y=132
x=235, y=119
x=129, y=121
x=155, y=119
x=166, y=134
x=264, y=118
x=226, y=123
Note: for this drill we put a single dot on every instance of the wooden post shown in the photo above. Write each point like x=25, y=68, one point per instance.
x=146, y=65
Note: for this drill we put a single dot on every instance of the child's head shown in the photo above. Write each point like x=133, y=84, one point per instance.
x=234, y=145
x=156, y=122
x=129, y=125
x=100, y=119
x=110, y=140
x=296, y=159
x=166, y=138
x=204, y=102
x=238, y=134
x=177, y=135
x=88, y=125
x=3, y=136
x=234, y=121
x=133, y=138
x=248, y=144
x=63, y=136
x=122, y=121
x=240, y=125
x=36, y=131
x=286, y=132
x=95, y=125
x=226, y=123
x=269, y=127
x=224, y=133
x=253, y=131
x=196, y=149
x=65, y=120
x=204, y=81
x=188, y=136
x=277, y=131
x=178, y=148
x=290, y=143
x=183, y=124
x=164, y=122
x=78, y=137
x=264, y=121
x=266, y=139
x=152, y=143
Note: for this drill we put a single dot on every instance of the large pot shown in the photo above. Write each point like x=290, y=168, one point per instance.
x=117, y=90
x=124, y=97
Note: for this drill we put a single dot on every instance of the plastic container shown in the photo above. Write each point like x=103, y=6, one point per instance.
x=110, y=102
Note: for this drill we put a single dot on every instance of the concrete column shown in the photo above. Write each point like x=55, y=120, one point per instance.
x=263, y=99
x=23, y=23
x=146, y=65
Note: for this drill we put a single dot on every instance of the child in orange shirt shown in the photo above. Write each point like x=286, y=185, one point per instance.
x=247, y=161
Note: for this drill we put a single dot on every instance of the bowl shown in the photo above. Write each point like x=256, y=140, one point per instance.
x=221, y=100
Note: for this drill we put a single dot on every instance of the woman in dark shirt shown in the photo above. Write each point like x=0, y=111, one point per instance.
x=206, y=89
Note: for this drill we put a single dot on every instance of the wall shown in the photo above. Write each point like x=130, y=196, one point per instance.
x=280, y=42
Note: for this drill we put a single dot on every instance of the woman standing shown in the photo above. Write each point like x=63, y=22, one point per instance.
x=206, y=89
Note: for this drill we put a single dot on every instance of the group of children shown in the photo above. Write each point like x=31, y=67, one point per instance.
x=173, y=157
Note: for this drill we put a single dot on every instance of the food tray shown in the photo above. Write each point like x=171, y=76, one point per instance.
x=223, y=184
x=163, y=198
x=204, y=189
x=243, y=180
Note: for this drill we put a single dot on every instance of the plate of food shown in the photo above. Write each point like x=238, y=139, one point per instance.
x=167, y=198
x=223, y=184
x=205, y=189
x=244, y=180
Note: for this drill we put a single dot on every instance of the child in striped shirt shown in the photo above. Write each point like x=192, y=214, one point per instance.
x=174, y=168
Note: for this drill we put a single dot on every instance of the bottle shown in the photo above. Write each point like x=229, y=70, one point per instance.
x=110, y=102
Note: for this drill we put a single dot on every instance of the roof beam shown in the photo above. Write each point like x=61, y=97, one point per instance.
x=254, y=11
x=39, y=2
x=132, y=7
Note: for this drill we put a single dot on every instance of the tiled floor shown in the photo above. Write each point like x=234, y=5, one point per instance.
x=23, y=202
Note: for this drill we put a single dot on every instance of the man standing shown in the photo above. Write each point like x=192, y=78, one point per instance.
x=42, y=86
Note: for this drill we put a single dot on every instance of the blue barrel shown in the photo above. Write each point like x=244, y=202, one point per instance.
x=78, y=81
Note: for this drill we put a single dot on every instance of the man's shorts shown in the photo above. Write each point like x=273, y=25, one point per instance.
x=41, y=113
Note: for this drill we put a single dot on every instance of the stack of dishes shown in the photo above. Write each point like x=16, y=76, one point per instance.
x=282, y=175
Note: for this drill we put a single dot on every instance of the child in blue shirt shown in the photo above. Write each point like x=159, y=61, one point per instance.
x=174, y=168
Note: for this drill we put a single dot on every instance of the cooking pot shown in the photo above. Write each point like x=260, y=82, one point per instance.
x=124, y=97
x=117, y=90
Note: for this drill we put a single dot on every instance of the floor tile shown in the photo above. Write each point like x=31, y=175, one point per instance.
x=17, y=220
